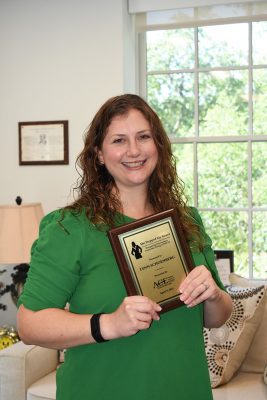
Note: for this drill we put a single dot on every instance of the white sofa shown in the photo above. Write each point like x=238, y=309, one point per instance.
x=28, y=371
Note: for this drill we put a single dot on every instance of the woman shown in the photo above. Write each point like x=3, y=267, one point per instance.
x=128, y=172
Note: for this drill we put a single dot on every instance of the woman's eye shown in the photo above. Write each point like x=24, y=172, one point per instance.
x=145, y=136
x=118, y=140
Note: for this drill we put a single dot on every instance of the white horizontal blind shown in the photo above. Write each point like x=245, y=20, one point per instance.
x=142, y=6
x=204, y=15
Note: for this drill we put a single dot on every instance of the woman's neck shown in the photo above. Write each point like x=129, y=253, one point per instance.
x=137, y=211
x=135, y=203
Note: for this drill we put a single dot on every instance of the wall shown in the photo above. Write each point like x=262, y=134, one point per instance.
x=59, y=59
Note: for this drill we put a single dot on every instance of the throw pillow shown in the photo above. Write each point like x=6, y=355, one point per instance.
x=238, y=280
x=255, y=360
x=226, y=347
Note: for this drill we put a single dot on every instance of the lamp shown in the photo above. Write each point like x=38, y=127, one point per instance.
x=19, y=225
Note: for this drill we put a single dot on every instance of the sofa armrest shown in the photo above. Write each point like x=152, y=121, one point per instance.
x=21, y=365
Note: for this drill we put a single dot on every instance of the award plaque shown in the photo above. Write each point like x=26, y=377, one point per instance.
x=153, y=257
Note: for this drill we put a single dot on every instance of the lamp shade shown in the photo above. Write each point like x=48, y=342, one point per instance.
x=19, y=225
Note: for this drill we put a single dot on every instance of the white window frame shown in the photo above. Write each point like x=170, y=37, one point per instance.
x=249, y=139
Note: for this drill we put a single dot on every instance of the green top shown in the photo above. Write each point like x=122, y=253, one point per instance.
x=73, y=262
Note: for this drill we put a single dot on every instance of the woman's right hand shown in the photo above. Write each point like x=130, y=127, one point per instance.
x=135, y=313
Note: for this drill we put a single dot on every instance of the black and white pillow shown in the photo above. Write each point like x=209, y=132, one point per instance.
x=227, y=346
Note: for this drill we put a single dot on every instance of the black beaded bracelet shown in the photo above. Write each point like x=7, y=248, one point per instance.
x=95, y=328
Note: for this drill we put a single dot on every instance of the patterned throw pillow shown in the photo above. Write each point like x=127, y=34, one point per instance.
x=226, y=347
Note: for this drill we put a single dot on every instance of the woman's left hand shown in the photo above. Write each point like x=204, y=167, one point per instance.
x=198, y=286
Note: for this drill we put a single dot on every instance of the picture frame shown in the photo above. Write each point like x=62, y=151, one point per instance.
x=224, y=260
x=43, y=143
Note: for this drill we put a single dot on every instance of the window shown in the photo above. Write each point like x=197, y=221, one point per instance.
x=208, y=84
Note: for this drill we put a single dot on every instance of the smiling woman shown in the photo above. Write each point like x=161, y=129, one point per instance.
x=128, y=172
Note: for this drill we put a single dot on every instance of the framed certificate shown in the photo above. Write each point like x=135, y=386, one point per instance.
x=43, y=143
x=224, y=260
x=153, y=257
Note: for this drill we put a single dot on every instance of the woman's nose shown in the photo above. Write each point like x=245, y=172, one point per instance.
x=133, y=149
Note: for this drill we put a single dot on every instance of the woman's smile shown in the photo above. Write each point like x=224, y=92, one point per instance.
x=133, y=164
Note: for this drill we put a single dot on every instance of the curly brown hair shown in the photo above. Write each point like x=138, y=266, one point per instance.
x=95, y=187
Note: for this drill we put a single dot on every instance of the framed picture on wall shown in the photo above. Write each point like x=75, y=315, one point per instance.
x=43, y=143
x=224, y=260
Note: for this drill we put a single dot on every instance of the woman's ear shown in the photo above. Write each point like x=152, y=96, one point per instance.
x=99, y=155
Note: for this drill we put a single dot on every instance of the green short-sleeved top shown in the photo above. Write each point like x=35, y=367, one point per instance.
x=72, y=261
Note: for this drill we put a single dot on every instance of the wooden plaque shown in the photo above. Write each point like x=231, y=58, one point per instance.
x=153, y=257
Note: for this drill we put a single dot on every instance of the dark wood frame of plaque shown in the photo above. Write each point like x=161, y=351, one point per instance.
x=182, y=249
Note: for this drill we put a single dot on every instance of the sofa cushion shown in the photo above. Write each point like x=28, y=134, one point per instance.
x=256, y=358
x=243, y=386
x=227, y=346
x=44, y=388
x=19, y=368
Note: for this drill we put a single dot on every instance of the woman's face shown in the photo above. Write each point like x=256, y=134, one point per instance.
x=128, y=150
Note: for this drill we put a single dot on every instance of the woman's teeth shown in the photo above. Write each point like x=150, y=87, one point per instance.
x=133, y=164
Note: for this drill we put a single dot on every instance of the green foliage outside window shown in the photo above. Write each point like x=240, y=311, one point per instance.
x=202, y=98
